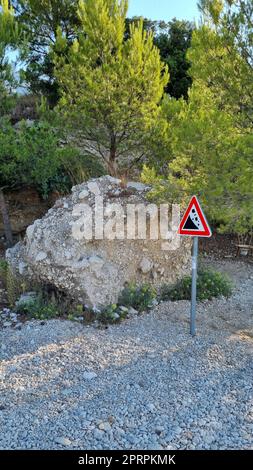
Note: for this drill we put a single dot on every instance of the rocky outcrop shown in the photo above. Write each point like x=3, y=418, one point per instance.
x=91, y=243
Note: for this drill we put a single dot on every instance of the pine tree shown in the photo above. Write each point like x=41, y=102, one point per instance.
x=9, y=35
x=222, y=56
x=207, y=155
x=111, y=87
x=173, y=40
x=204, y=146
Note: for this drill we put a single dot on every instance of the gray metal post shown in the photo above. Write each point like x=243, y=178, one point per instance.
x=194, y=285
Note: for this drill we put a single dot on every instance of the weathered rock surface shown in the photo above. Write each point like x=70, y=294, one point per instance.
x=59, y=250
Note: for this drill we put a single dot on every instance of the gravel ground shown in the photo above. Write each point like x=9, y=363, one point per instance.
x=143, y=384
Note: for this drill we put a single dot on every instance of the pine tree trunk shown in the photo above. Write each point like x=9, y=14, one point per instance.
x=112, y=164
x=6, y=219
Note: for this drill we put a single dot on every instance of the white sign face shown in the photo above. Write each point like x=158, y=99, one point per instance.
x=194, y=220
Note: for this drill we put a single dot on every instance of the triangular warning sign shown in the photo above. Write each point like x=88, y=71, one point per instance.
x=194, y=222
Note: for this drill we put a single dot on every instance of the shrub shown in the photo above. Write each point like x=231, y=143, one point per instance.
x=11, y=284
x=138, y=297
x=80, y=313
x=3, y=269
x=37, y=308
x=109, y=314
x=210, y=284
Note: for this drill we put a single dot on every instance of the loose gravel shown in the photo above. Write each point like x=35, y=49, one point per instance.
x=142, y=384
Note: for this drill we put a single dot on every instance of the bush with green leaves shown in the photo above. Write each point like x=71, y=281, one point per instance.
x=109, y=314
x=3, y=269
x=139, y=297
x=12, y=285
x=210, y=284
x=37, y=308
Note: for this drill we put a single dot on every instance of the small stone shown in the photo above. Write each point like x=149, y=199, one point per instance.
x=83, y=194
x=151, y=407
x=132, y=311
x=63, y=441
x=146, y=265
x=159, y=430
x=123, y=309
x=105, y=427
x=137, y=186
x=89, y=375
x=26, y=298
x=22, y=267
x=40, y=256
x=115, y=316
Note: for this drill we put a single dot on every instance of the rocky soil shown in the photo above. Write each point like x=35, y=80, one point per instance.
x=142, y=384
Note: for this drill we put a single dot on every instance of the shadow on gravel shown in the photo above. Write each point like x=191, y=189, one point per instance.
x=181, y=376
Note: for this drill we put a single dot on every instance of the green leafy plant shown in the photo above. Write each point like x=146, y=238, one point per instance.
x=11, y=283
x=138, y=297
x=37, y=308
x=3, y=269
x=76, y=312
x=14, y=285
x=210, y=284
x=82, y=315
x=109, y=314
x=70, y=317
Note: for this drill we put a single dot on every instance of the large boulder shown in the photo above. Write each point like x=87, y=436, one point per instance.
x=74, y=246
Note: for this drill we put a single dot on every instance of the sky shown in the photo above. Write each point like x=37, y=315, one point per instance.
x=164, y=9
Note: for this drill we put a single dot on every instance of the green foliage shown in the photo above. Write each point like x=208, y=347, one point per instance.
x=37, y=308
x=9, y=35
x=10, y=283
x=39, y=20
x=173, y=40
x=28, y=155
x=12, y=286
x=222, y=56
x=78, y=167
x=81, y=314
x=203, y=152
x=138, y=297
x=109, y=314
x=210, y=284
x=3, y=269
x=204, y=146
x=173, y=46
x=116, y=84
x=32, y=155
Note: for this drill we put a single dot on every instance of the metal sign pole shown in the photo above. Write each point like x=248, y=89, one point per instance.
x=194, y=285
